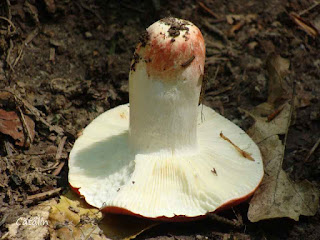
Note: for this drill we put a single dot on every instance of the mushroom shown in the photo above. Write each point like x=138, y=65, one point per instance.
x=163, y=156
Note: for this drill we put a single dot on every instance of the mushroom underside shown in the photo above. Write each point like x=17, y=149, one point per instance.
x=188, y=182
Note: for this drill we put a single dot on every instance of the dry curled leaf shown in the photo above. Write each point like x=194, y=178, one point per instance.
x=278, y=196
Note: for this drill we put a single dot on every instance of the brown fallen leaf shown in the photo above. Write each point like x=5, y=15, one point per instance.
x=72, y=218
x=278, y=196
x=304, y=25
x=10, y=124
x=278, y=68
x=262, y=128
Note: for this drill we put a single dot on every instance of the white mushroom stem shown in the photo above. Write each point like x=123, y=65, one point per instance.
x=164, y=92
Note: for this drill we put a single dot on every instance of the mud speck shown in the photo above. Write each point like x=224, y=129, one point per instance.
x=144, y=38
x=175, y=26
x=135, y=59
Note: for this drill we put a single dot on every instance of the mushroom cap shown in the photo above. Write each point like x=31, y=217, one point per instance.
x=226, y=168
x=168, y=47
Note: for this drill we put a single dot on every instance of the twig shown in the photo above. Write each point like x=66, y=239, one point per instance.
x=188, y=62
x=204, y=85
x=275, y=113
x=222, y=90
x=215, y=30
x=208, y=10
x=3, y=220
x=315, y=146
x=131, y=7
x=315, y=4
x=242, y=152
x=238, y=216
x=10, y=25
x=8, y=147
x=24, y=124
x=92, y=11
x=18, y=57
x=89, y=234
x=9, y=9
x=44, y=194
x=58, y=169
x=60, y=147
x=8, y=54
x=224, y=220
x=31, y=36
x=212, y=60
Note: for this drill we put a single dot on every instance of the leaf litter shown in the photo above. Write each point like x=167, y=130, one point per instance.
x=278, y=196
x=270, y=27
x=73, y=218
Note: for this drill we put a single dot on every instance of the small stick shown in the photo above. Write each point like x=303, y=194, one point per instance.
x=18, y=58
x=315, y=146
x=309, y=8
x=187, y=63
x=44, y=194
x=60, y=147
x=9, y=54
x=3, y=220
x=222, y=90
x=9, y=9
x=24, y=123
x=83, y=5
x=10, y=23
x=242, y=152
x=208, y=10
x=58, y=169
x=275, y=113
x=215, y=30
x=224, y=220
x=7, y=146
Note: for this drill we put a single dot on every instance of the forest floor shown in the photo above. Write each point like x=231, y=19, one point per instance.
x=62, y=63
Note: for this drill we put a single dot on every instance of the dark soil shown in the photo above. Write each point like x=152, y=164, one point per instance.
x=70, y=61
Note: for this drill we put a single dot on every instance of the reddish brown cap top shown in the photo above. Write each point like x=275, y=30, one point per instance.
x=170, y=46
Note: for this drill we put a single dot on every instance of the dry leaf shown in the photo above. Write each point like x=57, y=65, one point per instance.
x=10, y=124
x=72, y=218
x=278, y=68
x=278, y=196
x=263, y=128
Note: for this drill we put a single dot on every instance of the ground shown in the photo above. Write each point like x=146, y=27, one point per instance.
x=69, y=60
